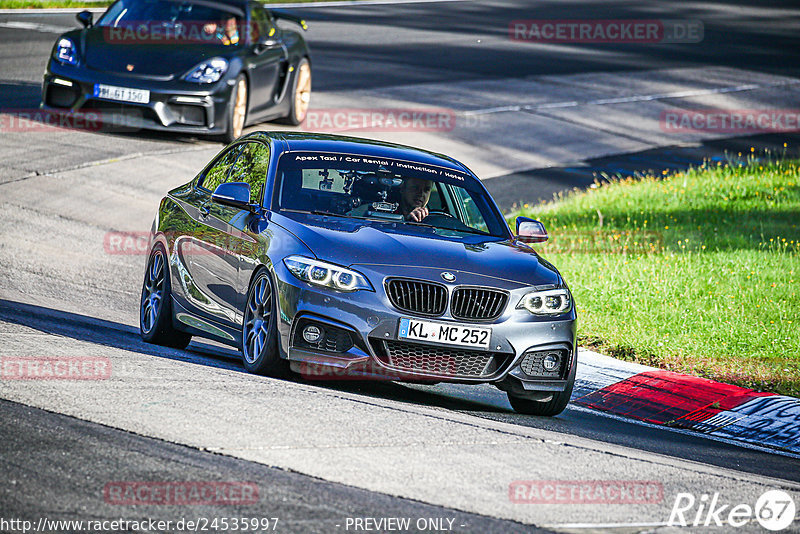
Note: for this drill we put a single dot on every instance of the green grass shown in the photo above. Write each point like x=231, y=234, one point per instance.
x=696, y=272
x=39, y=4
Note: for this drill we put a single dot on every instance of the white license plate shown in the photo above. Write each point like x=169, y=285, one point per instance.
x=121, y=94
x=445, y=333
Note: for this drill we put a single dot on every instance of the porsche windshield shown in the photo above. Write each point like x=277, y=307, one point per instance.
x=384, y=189
x=166, y=21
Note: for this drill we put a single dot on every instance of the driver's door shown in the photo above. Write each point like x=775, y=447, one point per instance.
x=265, y=61
x=213, y=267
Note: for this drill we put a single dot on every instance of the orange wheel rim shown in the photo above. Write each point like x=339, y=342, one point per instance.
x=302, y=94
x=239, y=108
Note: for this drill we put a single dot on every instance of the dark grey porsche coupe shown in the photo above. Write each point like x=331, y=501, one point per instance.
x=191, y=66
x=340, y=257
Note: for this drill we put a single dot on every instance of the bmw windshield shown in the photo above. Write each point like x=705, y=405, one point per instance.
x=386, y=190
x=166, y=21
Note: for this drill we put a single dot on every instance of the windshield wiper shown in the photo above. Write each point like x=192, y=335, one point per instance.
x=426, y=225
x=331, y=214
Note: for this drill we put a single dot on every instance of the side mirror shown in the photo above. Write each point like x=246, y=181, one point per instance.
x=265, y=43
x=530, y=231
x=86, y=18
x=234, y=194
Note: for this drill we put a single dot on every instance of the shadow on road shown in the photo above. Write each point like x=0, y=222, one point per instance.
x=574, y=421
x=121, y=336
x=511, y=191
x=16, y=95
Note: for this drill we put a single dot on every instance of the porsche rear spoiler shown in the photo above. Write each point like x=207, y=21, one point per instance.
x=291, y=18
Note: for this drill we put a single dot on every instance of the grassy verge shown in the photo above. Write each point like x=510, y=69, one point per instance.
x=41, y=4
x=696, y=272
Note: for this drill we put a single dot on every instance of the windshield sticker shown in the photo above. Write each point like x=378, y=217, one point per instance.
x=385, y=164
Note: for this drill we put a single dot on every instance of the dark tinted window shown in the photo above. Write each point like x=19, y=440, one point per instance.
x=218, y=172
x=260, y=25
x=251, y=167
x=170, y=21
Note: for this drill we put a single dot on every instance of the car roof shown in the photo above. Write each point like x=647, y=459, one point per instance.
x=315, y=142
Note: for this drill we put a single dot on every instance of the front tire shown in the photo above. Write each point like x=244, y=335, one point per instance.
x=301, y=94
x=237, y=111
x=155, y=305
x=554, y=406
x=260, y=329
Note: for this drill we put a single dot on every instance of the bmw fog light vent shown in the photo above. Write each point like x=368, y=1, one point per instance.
x=315, y=335
x=544, y=363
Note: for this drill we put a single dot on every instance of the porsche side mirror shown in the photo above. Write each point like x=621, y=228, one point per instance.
x=86, y=18
x=265, y=43
x=531, y=231
x=234, y=194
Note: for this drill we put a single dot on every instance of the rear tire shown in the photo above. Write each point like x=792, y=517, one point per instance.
x=260, y=329
x=155, y=305
x=301, y=94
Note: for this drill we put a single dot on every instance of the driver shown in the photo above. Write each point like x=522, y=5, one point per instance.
x=227, y=32
x=414, y=196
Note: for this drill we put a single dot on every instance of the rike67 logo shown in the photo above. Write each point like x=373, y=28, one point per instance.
x=774, y=510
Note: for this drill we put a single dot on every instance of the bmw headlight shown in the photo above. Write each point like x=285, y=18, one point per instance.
x=209, y=71
x=550, y=302
x=65, y=52
x=326, y=274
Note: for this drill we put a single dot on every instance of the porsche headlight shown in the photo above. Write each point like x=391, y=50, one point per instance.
x=326, y=274
x=65, y=52
x=209, y=71
x=550, y=302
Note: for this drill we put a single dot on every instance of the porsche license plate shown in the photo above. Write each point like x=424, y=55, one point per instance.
x=121, y=94
x=477, y=337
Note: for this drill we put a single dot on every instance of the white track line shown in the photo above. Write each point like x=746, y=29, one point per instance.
x=34, y=26
x=605, y=525
x=628, y=99
x=300, y=5
x=343, y=3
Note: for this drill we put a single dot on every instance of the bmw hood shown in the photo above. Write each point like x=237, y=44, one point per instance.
x=109, y=52
x=352, y=242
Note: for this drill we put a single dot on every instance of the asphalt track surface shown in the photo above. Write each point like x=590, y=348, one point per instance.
x=71, y=299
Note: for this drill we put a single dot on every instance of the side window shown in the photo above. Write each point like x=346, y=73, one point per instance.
x=260, y=25
x=472, y=214
x=218, y=172
x=251, y=167
x=435, y=200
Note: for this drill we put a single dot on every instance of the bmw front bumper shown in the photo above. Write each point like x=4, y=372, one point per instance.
x=359, y=336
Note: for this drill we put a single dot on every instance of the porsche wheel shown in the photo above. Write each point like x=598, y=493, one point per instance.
x=237, y=110
x=301, y=93
x=155, y=307
x=260, y=330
